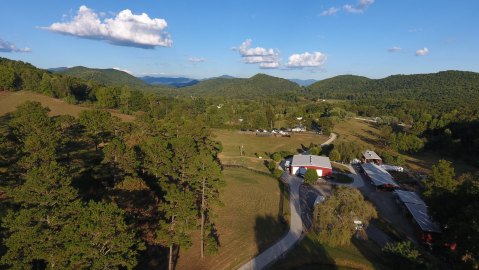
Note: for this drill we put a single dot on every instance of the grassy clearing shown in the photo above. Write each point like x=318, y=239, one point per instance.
x=252, y=144
x=367, y=135
x=337, y=167
x=248, y=222
x=310, y=254
x=10, y=100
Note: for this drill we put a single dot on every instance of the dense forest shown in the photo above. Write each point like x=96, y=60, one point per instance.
x=95, y=192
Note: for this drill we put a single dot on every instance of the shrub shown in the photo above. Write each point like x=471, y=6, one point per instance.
x=310, y=176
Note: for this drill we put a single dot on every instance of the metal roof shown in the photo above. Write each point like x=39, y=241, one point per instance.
x=420, y=214
x=368, y=154
x=378, y=175
x=311, y=160
x=409, y=197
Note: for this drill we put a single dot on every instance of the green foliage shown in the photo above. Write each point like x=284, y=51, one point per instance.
x=276, y=156
x=335, y=218
x=405, y=142
x=347, y=151
x=277, y=173
x=314, y=151
x=443, y=89
x=37, y=132
x=97, y=123
x=334, y=155
x=441, y=178
x=311, y=176
x=8, y=78
x=105, y=76
x=403, y=255
x=258, y=86
x=456, y=207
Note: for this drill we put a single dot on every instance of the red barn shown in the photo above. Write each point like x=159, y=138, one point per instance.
x=322, y=165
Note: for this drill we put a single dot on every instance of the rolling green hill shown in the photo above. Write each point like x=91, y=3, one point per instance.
x=446, y=86
x=260, y=85
x=108, y=76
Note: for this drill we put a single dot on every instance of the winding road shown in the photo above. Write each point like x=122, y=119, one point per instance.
x=296, y=224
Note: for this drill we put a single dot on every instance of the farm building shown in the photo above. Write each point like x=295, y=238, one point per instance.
x=426, y=228
x=322, y=165
x=371, y=157
x=378, y=176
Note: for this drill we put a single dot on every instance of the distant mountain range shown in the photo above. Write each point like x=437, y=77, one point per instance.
x=451, y=87
x=303, y=82
x=170, y=81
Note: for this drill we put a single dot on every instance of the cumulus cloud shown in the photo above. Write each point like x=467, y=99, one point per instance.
x=196, y=59
x=330, y=11
x=394, y=49
x=266, y=58
x=360, y=7
x=422, y=52
x=125, y=28
x=124, y=70
x=6, y=46
x=303, y=60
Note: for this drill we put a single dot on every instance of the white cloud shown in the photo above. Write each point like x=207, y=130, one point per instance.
x=394, y=49
x=266, y=58
x=196, y=59
x=330, y=11
x=302, y=60
x=422, y=52
x=6, y=46
x=269, y=65
x=124, y=70
x=360, y=7
x=125, y=29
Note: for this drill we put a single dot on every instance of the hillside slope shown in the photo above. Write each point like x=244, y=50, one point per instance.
x=260, y=85
x=108, y=76
x=445, y=86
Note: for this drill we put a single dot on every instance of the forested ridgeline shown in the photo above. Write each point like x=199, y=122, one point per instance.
x=95, y=192
x=448, y=89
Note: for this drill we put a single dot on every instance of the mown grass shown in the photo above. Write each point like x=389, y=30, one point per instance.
x=10, y=100
x=247, y=224
x=254, y=146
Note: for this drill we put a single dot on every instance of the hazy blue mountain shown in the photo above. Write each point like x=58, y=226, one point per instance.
x=303, y=82
x=170, y=81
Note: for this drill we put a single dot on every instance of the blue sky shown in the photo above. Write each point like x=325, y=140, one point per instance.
x=291, y=39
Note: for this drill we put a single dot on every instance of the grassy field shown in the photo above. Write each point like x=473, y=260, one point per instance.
x=10, y=100
x=247, y=223
x=310, y=254
x=252, y=144
x=366, y=134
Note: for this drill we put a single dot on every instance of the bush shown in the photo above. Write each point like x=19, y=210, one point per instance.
x=276, y=156
x=403, y=255
x=334, y=155
x=311, y=176
x=277, y=173
x=314, y=151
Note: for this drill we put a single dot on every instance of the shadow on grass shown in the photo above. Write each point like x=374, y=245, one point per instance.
x=153, y=257
x=268, y=230
x=307, y=254
x=371, y=251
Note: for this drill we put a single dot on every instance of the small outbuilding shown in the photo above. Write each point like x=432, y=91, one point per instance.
x=371, y=157
x=321, y=164
x=379, y=177
x=426, y=228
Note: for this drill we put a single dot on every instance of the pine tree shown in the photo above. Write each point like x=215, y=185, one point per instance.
x=179, y=219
